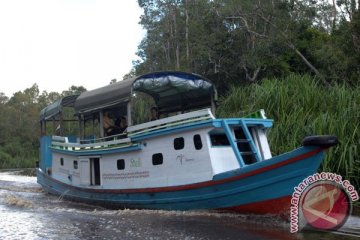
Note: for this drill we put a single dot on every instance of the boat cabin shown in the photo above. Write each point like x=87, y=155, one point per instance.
x=106, y=138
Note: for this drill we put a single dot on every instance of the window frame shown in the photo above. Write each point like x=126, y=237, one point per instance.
x=122, y=164
x=75, y=164
x=222, y=136
x=176, y=143
x=197, y=142
x=157, y=162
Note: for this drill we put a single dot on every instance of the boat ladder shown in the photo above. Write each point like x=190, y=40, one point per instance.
x=242, y=143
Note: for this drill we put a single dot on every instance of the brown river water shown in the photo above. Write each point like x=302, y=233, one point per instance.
x=26, y=212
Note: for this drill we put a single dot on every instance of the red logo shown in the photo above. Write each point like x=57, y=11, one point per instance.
x=325, y=205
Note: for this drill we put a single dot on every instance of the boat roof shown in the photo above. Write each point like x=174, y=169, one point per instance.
x=176, y=91
x=104, y=97
x=55, y=108
x=171, y=90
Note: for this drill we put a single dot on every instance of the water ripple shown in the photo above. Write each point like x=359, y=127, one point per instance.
x=26, y=212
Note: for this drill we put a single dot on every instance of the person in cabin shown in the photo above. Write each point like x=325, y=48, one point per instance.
x=121, y=125
x=154, y=114
x=108, y=125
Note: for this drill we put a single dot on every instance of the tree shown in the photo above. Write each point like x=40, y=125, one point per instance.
x=73, y=90
x=3, y=98
x=232, y=41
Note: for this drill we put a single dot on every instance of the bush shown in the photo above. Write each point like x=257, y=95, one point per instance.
x=5, y=160
x=300, y=107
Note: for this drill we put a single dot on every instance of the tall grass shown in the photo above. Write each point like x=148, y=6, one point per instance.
x=300, y=107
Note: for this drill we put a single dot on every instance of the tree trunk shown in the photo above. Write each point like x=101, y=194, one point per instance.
x=292, y=46
x=334, y=16
x=255, y=75
x=177, y=49
x=187, y=34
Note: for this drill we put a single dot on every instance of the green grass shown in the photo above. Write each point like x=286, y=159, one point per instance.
x=300, y=107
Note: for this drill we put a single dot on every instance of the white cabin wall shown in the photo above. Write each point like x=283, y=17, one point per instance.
x=261, y=141
x=65, y=173
x=223, y=159
x=179, y=167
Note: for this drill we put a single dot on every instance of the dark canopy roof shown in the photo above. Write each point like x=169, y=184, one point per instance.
x=104, y=97
x=172, y=91
x=55, y=108
x=176, y=91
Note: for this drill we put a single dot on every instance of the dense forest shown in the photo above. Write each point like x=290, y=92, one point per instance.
x=299, y=60
x=233, y=41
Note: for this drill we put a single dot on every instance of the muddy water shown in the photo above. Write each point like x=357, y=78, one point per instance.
x=26, y=212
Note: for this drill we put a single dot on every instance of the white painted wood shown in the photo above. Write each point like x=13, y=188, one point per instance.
x=179, y=167
x=222, y=157
x=84, y=166
x=60, y=139
x=129, y=113
x=186, y=116
x=264, y=143
x=261, y=142
x=79, y=146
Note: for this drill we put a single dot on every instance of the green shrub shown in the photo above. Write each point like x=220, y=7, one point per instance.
x=301, y=107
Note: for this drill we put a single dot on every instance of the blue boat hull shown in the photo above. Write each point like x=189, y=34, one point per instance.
x=261, y=183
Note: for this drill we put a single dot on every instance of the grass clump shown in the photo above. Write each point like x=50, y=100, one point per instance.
x=301, y=107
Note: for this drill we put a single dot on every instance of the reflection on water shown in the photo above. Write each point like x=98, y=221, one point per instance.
x=26, y=212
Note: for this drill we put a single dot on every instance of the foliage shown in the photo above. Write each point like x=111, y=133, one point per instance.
x=301, y=107
x=237, y=42
x=141, y=105
x=246, y=41
x=19, y=124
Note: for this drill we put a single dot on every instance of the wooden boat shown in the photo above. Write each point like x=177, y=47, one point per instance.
x=186, y=160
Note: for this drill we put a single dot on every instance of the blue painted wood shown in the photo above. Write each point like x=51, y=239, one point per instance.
x=45, y=152
x=250, y=139
x=233, y=145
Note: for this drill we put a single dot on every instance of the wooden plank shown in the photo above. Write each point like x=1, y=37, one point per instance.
x=164, y=121
x=93, y=145
x=169, y=125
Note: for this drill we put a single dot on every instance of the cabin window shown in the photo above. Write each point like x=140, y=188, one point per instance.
x=157, y=159
x=75, y=164
x=197, y=142
x=219, y=140
x=61, y=161
x=120, y=164
x=179, y=143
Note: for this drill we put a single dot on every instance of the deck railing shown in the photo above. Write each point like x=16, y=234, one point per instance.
x=124, y=139
x=119, y=140
x=185, y=118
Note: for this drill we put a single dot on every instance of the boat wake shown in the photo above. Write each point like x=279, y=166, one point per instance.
x=14, y=188
x=18, y=201
x=23, y=191
x=266, y=220
x=21, y=199
x=13, y=182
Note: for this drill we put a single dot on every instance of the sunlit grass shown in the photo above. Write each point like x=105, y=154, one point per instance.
x=300, y=107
